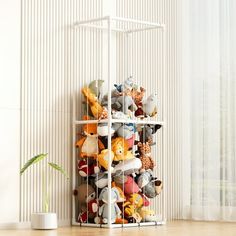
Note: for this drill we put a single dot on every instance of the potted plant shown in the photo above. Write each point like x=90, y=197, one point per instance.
x=44, y=219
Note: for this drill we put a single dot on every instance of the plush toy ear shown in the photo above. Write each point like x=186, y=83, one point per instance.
x=155, y=128
x=140, y=144
x=101, y=194
x=86, y=117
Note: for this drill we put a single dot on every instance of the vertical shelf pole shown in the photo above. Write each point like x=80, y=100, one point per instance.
x=109, y=117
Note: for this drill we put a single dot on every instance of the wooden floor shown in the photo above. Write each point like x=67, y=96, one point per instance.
x=175, y=228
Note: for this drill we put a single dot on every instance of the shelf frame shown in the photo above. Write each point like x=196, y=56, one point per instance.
x=145, y=25
x=109, y=29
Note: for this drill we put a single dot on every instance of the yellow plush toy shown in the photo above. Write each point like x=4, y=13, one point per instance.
x=103, y=158
x=120, y=148
x=97, y=110
x=136, y=200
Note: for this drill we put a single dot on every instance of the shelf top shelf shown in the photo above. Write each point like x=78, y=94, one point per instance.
x=127, y=121
x=122, y=25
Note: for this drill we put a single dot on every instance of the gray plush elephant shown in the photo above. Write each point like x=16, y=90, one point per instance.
x=123, y=103
x=115, y=210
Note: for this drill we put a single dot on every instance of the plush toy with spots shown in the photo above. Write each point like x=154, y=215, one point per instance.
x=144, y=150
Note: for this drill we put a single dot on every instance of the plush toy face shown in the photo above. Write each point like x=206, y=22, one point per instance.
x=114, y=195
x=85, y=193
x=89, y=129
x=120, y=148
x=138, y=95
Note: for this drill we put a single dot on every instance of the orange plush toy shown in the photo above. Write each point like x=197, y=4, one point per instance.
x=90, y=145
x=97, y=110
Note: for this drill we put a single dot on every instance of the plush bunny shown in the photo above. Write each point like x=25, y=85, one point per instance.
x=115, y=210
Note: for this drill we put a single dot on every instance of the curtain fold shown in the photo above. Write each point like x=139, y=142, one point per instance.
x=212, y=83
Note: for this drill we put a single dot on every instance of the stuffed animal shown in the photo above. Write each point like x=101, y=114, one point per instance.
x=123, y=103
x=115, y=210
x=96, y=108
x=130, y=213
x=87, y=169
x=136, y=200
x=103, y=158
x=90, y=145
x=127, y=85
x=86, y=195
x=146, y=133
x=128, y=167
x=122, y=197
x=144, y=150
x=120, y=148
x=150, y=105
x=148, y=215
x=96, y=88
x=130, y=186
x=144, y=178
x=127, y=131
x=151, y=186
x=103, y=128
x=101, y=180
x=120, y=115
x=138, y=98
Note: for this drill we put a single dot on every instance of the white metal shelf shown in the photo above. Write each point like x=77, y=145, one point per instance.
x=154, y=223
x=109, y=24
x=126, y=121
x=143, y=25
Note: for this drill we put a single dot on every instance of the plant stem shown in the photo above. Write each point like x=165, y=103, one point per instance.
x=44, y=192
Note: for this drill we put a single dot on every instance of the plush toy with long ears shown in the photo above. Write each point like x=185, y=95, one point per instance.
x=90, y=145
x=96, y=108
x=115, y=210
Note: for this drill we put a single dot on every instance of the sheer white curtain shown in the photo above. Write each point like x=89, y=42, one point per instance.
x=211, y=72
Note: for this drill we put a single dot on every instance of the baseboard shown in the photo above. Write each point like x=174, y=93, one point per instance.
x=27, y=225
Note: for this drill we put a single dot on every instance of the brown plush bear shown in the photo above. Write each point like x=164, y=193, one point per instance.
x=88, y=204
x=144, y=150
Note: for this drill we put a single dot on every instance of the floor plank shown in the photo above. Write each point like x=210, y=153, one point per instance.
x=174, y=228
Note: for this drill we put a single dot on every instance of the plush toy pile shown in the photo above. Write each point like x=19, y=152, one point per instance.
x=133, y=183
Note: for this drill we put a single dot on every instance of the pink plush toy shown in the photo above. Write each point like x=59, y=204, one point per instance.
x=130, y=186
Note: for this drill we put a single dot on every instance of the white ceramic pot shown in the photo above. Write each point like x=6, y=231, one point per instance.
x=44, y=220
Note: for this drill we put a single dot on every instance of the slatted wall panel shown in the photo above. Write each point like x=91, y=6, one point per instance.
x=158, y=72
x=52, y=68
x=48, y=57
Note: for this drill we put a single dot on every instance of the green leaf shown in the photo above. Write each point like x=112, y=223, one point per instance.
x=58, y=168
x=32, y=161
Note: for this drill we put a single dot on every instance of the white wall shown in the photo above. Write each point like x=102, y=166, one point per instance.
x=49, y=75
x=9, y=110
